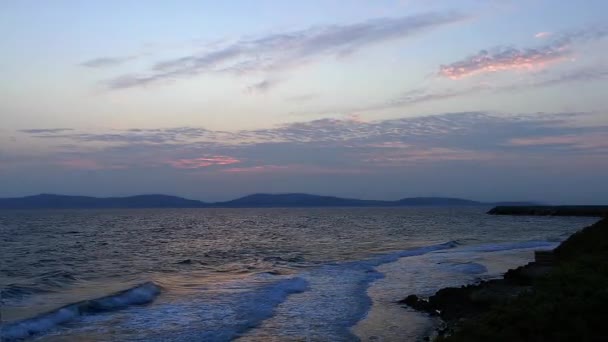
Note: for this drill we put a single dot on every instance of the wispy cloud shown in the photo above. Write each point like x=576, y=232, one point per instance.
x=196, y=163
x=104, y=62
x=341, y=132
x=257, y=169
x=335, y=144
x=399, y=156
x=500, y=59
x=297, y=169
x=594, y=140
x=263, y=86
x=88, y=164
x=510, y=58
x=277, y=52
x=424, y=95
x=45, y=130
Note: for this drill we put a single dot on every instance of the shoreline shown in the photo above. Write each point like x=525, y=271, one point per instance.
x=551, y=210
x=527, y=303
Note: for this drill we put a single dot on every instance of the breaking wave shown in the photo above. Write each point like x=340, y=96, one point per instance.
x=138, y=295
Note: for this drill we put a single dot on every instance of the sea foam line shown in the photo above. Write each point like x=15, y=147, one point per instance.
x=336, y=299
x=138, y=295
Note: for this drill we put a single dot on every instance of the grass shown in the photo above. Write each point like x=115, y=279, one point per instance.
x=568, y=304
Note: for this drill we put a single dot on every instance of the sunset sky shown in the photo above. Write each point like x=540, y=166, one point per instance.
x=377, y=99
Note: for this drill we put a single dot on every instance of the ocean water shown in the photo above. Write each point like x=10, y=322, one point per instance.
x=248, y=274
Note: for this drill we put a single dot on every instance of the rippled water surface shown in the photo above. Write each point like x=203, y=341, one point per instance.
x=248, y=274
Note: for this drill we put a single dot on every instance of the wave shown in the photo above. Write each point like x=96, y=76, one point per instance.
x=254, y=307
x=392, y=257
x=138, y=295
x=221, y=314
x=507, y=246
x=332, y=297
x=336, y=300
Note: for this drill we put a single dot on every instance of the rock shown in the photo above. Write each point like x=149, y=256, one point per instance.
x=416, y=303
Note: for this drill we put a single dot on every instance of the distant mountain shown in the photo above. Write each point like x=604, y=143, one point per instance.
x=47, y=201
x=298, y=200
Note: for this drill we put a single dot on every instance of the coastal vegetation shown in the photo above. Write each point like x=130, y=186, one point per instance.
x=565, y=299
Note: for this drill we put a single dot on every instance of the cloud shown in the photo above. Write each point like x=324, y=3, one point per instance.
x=501, y=59
x=45, y=130
x=263, y=86
x=196, y=163
x=88, y=164
x=325, y=140
x=580, y=75
x=469, y=152
x=510, y=58
x=104, y=62
x=409, y=154
x=154, y=136
x=424, y=95
x=257, y=169
x=542, y=34
x=595, y=140
x=295, y=169
x=339, y=132
x=277, y=52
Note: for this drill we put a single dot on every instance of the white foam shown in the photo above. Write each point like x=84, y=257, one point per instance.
x=220, y=314
x=336, y=300
x=137, y=295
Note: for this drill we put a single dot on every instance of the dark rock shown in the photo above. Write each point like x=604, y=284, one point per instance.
x=416, y=303
x=575, y=276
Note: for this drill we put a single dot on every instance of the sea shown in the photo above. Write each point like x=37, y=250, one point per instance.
x=309, y=274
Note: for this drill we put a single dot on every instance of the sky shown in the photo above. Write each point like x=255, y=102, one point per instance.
x=379, y=99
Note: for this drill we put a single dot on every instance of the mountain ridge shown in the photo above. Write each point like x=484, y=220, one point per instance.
x=258, y=200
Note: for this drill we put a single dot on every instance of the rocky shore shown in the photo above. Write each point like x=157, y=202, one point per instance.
x=561, y=296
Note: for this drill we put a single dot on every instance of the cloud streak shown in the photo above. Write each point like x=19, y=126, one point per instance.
x=105, y=62
x=542, y=34
x=197, y=163
x=328, y=142
x=45, y=130
x=501, y=59
x=510, y=58
x=425, y=95
x=263, y=86
x=277, y=52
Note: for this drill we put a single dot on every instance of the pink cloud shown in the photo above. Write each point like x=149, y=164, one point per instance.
x=196, y=163
x=503, y=60
x=542, y=35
